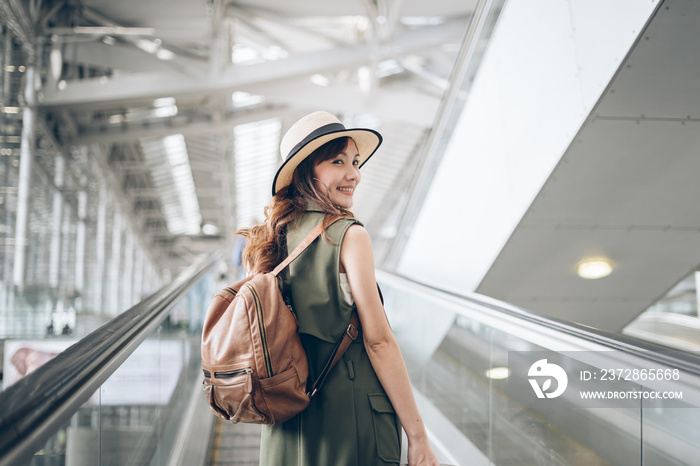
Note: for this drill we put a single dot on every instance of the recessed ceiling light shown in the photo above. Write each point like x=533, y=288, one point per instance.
x=594, y=268
x=498, y=373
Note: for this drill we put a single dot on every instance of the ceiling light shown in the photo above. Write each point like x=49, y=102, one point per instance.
x=242, y=54
x=164, y=112
x=209, y=229
x=364, y=76
x=498, y=373
x=56, y=62
x=274, y=53
x=115, y=119
x=165, y=107
x=114, y=30
x=420, y=21
x=594, y=268
x=320, y=80
x=242, y=99
x=164, y=102
x=147, y=45
x=165, y=54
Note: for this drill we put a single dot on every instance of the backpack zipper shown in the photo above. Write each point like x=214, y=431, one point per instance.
x=230, y=374
x=263, y=336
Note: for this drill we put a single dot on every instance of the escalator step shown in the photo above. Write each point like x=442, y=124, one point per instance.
x=234, y=444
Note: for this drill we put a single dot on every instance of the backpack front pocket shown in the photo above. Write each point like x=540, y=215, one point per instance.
x=284, y=395
x=230, y=394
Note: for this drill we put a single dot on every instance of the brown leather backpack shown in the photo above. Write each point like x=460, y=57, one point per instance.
x=255, y=367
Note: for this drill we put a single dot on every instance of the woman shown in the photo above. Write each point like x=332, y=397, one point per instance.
x=352, y=420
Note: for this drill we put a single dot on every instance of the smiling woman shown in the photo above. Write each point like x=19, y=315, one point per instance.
x=312, y=132
x=356, y=418
x=340, y=175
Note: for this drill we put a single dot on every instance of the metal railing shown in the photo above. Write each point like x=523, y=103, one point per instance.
x=35, y=407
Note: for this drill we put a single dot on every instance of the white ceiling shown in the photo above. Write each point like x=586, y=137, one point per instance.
x=388, y=63
x=626, y=189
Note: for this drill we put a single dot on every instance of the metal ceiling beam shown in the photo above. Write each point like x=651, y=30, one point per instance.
x=132, y=132
x=119, y=56
x=16, y=17
x=246, y=18
x=388, y=103
x=421, y=72
x=250, y=14
x=135, y=87
x=156, y=50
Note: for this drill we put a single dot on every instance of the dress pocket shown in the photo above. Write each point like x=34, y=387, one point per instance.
x=387, y=430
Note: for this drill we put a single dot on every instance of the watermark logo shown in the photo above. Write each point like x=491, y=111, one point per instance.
x=593, y=379
x=541, y=370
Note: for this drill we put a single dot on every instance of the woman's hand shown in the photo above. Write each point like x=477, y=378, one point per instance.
x=420, y=453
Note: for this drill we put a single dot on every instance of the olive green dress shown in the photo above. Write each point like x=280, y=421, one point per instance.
x=350, y=421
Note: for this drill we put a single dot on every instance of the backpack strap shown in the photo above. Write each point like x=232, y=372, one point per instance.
x=348, y=337
x=313, y=234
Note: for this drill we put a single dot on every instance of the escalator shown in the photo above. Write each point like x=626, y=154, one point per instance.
x=234, y=444
x=126, y=393
x=130, y=392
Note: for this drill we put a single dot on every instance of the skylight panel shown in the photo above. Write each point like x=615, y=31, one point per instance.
x=171, y=173
x=256, y=149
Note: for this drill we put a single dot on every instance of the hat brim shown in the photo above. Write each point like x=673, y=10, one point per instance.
x=366, y=140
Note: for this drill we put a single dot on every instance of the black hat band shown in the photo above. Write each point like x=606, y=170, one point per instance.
x=323, y=130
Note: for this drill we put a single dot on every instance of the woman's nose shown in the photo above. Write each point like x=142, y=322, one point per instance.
x=353, y=173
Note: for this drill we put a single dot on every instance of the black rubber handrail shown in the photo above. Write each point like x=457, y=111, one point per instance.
x=35, y=407
x=686, y=361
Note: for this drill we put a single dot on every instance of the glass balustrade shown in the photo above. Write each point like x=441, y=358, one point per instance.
x=477, y=371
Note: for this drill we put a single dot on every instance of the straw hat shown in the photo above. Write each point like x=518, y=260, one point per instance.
x=313, y=131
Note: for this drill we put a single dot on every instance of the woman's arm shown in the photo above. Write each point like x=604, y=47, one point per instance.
x=358, y=261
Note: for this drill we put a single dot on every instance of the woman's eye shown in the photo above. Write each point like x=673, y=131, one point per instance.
x=355, y=162
x=338, y=162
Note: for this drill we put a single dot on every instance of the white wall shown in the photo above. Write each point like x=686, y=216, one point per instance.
x=547, y=63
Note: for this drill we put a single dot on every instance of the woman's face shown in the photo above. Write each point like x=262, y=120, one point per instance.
x=339, y=175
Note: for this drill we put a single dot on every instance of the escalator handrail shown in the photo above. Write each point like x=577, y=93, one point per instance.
x=670, y=357
x=36, y=406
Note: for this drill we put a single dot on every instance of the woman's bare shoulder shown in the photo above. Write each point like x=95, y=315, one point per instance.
x=356, y=250
x=356, y=233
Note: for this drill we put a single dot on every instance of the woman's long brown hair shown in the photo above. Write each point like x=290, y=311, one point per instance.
x=267, y=243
